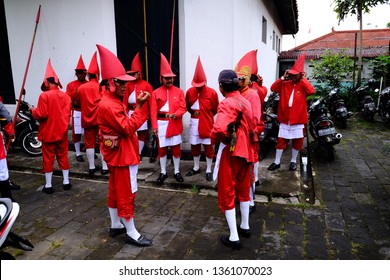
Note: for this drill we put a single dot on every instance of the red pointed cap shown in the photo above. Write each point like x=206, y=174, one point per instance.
x=94, y=66
x=80, y=65
x=299, y=65
x=165, y=68
x=136, y=65
x=199, y=78
x=50, y=73
x=111, y=67
x=244, y=65
x=255, y=68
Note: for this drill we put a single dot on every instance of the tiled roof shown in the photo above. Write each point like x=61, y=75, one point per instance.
x=375, y=42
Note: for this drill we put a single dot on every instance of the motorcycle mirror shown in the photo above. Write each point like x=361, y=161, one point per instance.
x=376, y=90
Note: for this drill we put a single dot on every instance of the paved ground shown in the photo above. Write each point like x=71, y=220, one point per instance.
x=349, y=217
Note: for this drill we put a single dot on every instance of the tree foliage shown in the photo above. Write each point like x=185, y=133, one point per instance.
x=343, y=8
x=381, y=68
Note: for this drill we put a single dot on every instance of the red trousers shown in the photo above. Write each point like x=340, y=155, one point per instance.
x=90, y=136
x=58, y=150
x=176, y=151
x=233, y=180
x=208, y=150
x=119, y=191
x=142, y=135
x=296, y=143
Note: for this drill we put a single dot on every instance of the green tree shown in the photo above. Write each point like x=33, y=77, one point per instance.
x=343, y=8
x=381, y=69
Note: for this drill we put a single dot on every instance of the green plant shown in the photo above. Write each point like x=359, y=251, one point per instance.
x=195, y=189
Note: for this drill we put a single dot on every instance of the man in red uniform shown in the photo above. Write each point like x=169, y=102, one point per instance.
x=202, y=103
x=133, y=90
x=119, y=147
x=7, y=127
x=243, y=70
x=53, y=114
x=71, y=89
x=167, y=106
x=90, y=95
x=232, y=129
x=293, y=88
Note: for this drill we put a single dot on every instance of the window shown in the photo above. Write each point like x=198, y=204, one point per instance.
x=273, y=40
x=264, y=30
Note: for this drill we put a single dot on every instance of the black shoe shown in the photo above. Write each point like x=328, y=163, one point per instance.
x=209, y=177
x=193, y=172
x=142, y=241
x=244, y=232
x=257, y=183
x=92, y=171
x=48, y=190
x=252, y=209
x=79, y=158
x=235, y=245
x=293, y=166
x=105, y=172
x=116, y=231
x=178, y=177
x=161, y=178
x=13, y=186
x=67, y=187
x=95, y=156
x=273, y=166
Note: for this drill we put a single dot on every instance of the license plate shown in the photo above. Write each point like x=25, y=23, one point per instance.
x=326, y=131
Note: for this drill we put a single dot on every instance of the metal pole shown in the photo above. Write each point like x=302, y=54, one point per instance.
x=172, y=32
x=146, y=44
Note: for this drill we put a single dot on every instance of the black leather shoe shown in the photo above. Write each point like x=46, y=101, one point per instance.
x=14, y=186
x=178, y=177
x=293, y=166
x=244, y=232
x=67, y=187
x=116, y=231
x=142, y=241
x=252, y=209
x=257, y=183
x=193, y=172
x=105, y=172
x=48, y=190
x=92, y=171
x=161, y=178
x=79, y=158
x=95, y=156
x=235, y=245
x=273, y=166
x=209, y=177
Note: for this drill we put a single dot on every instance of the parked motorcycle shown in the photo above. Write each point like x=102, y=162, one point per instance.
x=322, y=128
x=337, y=108
x=269, y=136
x=9, y=211
x=366, y=103
x=26, y=131
x=384, y=104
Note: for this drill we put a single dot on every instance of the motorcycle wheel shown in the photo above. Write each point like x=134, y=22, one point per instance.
x=30, y=143
x=329, y=151
x=6, y=256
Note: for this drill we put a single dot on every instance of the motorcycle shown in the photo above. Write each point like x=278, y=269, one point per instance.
x=9, y=211
x=269, y=136
x=384, y=104
x=26, y=131
x=365, y=101
x=322, y=128
x=337, y=108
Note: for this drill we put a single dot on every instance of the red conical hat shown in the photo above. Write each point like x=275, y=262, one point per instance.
x=110, y=65
x=255, y=68
x=50, y=73
x=199, y=78
x=165, y=68
x=299, y=65
x=136, y=65
x=80, y=64
x=244, y=65
x=93, y=65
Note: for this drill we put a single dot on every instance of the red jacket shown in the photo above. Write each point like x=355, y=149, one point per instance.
x=53, y=115
x=298, y=112
x=177, y=105
x=139, y=85
x=208, y=107
x=71, y=90
x=113, y=120
x=229, y=110
x=90, y=96
x=253, y=97
x=6, y=126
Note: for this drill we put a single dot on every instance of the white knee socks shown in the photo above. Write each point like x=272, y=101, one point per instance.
x=231, y=220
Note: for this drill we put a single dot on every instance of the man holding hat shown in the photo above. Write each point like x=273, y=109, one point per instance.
x=167, y=106
x=202, y=103
x=293, y=88
x=119, y=146
x=71, y=89
x=53, y=114
x=232, y=129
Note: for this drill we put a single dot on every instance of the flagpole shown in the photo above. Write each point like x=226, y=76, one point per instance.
x=172, y=33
